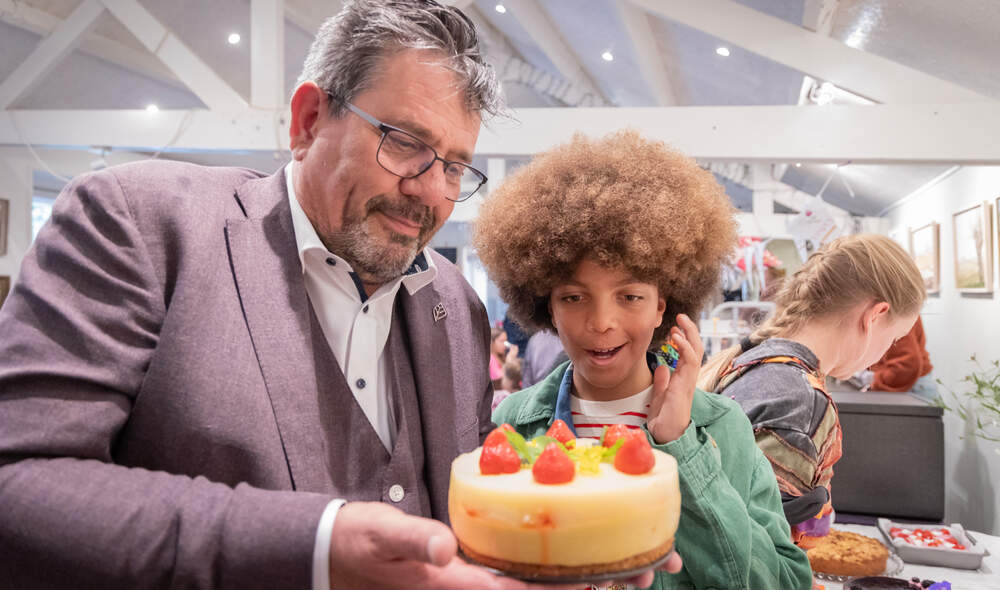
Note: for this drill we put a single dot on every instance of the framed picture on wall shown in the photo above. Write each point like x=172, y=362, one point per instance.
x=4, y=222
x=925, y=247
x=4, y=289
x=973, y=234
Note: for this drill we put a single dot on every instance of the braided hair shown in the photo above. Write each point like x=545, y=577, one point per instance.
x=844, y=273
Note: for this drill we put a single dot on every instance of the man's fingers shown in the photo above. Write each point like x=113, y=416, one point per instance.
x=405, y=537
x=422, y=540
x=441, y=549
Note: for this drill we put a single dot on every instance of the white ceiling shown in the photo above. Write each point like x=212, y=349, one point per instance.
x=549, y=54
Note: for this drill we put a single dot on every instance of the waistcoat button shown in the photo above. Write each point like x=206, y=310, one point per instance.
x=396, y=493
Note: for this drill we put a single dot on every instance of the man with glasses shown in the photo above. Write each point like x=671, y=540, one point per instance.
x=199, y=366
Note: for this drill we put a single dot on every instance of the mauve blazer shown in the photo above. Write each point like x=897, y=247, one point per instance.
x=164, y=410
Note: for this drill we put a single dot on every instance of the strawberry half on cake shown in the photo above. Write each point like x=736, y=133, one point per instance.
x=557, y=507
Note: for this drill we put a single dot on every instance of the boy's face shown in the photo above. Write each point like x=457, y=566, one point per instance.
x=605, y=319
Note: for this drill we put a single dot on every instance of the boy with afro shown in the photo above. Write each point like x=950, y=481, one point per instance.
x=614, y=244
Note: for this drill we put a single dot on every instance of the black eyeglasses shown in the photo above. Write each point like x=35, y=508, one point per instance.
x=407, y=156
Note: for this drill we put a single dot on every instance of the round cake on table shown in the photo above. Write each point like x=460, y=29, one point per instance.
x=844, y=553
x=556, y=506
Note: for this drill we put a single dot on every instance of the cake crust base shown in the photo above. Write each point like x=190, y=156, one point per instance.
x=535, y=570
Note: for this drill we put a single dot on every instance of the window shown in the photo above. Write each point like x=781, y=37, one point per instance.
x=46, y=188
x=41, y=210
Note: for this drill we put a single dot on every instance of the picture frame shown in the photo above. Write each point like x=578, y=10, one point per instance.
x=925, y=248
x=4, y=288
x=973, y=241
x=4, y=223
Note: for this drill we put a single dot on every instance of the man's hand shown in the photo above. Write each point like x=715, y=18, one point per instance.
x=376, y=546
x=670, y=409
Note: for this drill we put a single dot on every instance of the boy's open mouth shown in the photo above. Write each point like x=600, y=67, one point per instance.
x=604, y=353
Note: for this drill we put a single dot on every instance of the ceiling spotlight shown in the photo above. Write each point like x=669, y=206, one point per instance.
x=723, y=51
x=607, y=56
x=234, y=38
x=500, y=8
x=152, y=109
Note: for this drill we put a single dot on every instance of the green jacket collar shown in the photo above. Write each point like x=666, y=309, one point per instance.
x=542, y=398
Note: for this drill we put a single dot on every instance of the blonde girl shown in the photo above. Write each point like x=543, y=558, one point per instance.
x=836, y=316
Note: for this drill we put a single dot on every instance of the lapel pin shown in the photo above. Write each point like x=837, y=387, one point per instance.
x=439, y=312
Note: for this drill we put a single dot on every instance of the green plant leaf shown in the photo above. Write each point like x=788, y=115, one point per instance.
x=520, y=445
x=981, y=400
x=610, y=452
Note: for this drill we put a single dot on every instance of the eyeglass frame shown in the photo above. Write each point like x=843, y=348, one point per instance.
x=385, y=128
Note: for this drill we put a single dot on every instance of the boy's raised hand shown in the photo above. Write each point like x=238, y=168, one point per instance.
x=670, y=410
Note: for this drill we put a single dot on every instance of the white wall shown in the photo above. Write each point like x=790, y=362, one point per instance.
x=15, y=186
x=957, y=326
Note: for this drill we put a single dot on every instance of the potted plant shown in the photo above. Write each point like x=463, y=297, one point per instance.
x=979, y=400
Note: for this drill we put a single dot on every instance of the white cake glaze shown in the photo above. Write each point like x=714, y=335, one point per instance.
x=594, y=519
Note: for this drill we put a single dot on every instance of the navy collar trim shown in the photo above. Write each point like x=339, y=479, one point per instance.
x=419, y=265
x=562, y=411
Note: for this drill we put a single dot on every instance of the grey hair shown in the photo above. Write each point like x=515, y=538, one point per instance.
x=349, y=48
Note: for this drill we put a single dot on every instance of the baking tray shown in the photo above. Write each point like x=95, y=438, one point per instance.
x=969, y=558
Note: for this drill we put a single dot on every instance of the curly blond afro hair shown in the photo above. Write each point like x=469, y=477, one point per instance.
x=621, y=200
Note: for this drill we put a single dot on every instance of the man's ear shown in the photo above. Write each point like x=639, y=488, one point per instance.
x=872, y=313
x=307, y=107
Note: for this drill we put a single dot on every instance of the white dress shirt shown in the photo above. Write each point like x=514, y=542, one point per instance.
x=356, y=327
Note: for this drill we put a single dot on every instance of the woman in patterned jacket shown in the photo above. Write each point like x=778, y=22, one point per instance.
x=836, y=316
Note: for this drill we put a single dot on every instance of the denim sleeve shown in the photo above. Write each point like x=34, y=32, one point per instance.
x=732, y=532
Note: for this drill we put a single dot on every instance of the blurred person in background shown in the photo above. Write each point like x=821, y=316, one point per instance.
x=905, y=367
x=544, y=353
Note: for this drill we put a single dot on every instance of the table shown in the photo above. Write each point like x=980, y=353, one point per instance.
x=885, y=435
x=987, y=577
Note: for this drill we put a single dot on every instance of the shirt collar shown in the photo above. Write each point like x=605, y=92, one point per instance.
x=563, y=399
x=417, y=276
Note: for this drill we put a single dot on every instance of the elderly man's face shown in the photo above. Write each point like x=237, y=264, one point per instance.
x=374, y=219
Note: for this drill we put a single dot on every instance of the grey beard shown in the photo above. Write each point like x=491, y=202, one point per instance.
x=372, y=260
x=377, y=262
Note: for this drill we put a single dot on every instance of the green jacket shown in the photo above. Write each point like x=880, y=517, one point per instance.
x=732, y=533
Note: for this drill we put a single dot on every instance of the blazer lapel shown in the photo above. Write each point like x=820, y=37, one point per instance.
x=445, y=406
x=300, y=372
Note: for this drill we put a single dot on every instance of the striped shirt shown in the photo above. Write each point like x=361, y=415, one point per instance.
x=590, y=417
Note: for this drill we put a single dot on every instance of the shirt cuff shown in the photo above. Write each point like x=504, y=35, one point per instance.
x=321, y=550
